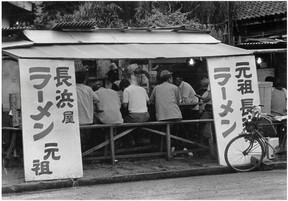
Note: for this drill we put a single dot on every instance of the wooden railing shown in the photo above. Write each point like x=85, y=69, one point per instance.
x=127, y=128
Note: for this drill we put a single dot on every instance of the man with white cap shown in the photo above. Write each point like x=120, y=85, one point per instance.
x=166, y=97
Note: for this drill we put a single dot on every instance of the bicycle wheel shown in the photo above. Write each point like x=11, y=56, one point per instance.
x=239, y=151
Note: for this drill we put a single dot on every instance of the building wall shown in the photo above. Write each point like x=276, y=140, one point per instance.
x=10, y=81
x=263, y=73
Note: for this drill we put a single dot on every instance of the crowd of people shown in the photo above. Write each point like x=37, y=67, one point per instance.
x=128, y=102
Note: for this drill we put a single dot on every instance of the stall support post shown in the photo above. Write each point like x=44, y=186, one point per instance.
x=112, y=145
x=12, y=145
x=168, y=142
x=213, y=149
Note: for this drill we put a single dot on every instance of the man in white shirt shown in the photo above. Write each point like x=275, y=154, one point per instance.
x=135, y=98
x=188, y=95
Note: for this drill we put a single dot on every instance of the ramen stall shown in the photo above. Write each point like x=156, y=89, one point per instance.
x=46, y=65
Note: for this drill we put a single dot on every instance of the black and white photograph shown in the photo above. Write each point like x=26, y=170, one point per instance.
x=144, y=100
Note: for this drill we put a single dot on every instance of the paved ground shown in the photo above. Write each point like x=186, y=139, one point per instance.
x=124, y=170
x=15, y=174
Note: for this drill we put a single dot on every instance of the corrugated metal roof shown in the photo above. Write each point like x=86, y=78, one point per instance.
x=259, y=43
x=74, y=25
x=15, y=28
x=116, y=37
x=256, y=9
x=126, y=51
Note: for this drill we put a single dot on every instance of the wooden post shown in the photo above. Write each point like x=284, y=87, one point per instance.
x=168, y=142
x=15, y=106
x=12, y=145
x=112, y=145
x=149, y=70
x=211, y=146
x=107, y=136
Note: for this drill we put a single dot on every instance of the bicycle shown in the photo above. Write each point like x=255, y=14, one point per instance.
x=251, y=142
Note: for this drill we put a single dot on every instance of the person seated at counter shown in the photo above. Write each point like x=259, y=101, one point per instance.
x=166, y=97
x=124, y=83
x=112, y=76
x=108, y=106
x=87, y=102
x=207, y=129
x=135, y=99
x=188, y=95
x=190, y=107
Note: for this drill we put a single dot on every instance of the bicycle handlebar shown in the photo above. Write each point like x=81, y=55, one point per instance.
x=256, y=112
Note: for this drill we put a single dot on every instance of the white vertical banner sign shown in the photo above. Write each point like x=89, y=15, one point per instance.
x=51, y=138
x=234, y=89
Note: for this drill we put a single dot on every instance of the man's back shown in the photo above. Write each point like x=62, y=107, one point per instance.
x=85, y=98
x=188, y=94
x=110, y=104
x=137, y=98
x=166, y=98
x=278, y=102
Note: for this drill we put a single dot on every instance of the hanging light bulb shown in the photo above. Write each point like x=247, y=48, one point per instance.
x=191, y=62
x=259, y=60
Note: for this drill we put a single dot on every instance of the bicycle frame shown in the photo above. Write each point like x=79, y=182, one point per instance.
x=256, y=134
x=264, y=140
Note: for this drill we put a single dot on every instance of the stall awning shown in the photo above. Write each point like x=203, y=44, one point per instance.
x=117, y=37
x=126, y=51
x=13, y=44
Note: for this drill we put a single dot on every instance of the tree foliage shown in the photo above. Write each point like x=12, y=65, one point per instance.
x=104, y=14
x=48, y=12
x=118, y=14
x=207, y=12
x=157, y=18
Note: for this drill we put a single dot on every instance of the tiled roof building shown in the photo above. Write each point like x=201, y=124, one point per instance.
x=260, y=21
x=261, y=26
x=257, y=9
